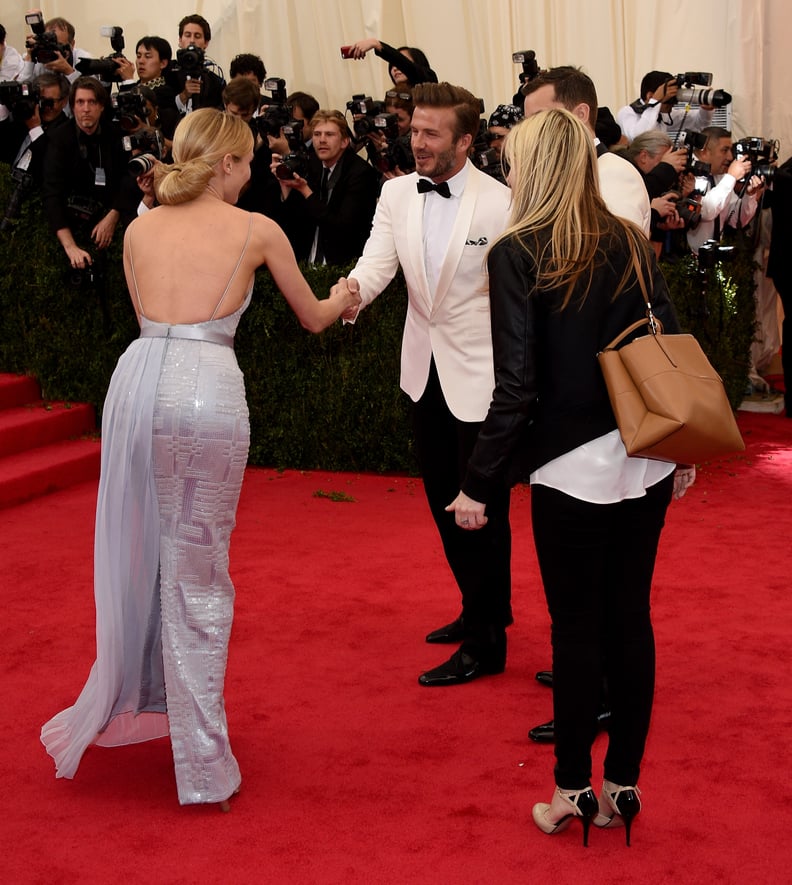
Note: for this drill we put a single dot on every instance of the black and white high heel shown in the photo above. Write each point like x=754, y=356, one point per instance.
x=564, y=806
x=618, y=806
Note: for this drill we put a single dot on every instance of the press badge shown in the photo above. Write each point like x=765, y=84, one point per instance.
x=100, y=179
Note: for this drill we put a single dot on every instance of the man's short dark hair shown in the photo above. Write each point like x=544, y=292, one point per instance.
x=465, y=105
x=243, y=93
x=51, y=78
x=199, y=20
x=247, y=63
x=715, y=133
x=2, y=34
x=653, y=81
x=305, y=102
x=159, y=44
x=92, y=85
x=571, y=88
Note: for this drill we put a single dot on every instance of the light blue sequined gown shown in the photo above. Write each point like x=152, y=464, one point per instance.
x=175, y=439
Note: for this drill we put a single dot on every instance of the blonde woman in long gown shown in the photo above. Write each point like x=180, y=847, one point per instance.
x=175, y=438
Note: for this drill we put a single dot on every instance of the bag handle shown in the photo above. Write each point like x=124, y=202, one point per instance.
x=655, y=325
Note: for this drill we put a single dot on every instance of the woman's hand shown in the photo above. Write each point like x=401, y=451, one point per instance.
x=468, y=514
x=684, y=477
x=359, y=49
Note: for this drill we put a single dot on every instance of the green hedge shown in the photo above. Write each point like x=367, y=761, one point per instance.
x=329, y=401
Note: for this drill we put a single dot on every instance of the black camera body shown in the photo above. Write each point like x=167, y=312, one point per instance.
x=711, y=252
x=190, y=60
x=105, y=68
x=762, y=153
x=365, y=111
x=43, y=45
x=275, y=113
x=129, y=109
x=145, y=141
x=20, y=98
x=689, y=210
x=296, y=161
x=692, y=141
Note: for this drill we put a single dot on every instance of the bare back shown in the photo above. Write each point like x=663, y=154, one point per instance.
x=180, y=260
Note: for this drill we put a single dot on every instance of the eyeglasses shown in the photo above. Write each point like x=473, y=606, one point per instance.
x=404, y=96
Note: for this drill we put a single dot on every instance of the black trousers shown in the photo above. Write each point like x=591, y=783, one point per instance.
x=597, y=562
x=480, y=560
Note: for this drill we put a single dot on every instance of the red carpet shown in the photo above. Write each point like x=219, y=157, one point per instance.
x=352, y=773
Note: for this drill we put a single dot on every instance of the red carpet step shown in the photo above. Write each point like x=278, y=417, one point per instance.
x=43, y=446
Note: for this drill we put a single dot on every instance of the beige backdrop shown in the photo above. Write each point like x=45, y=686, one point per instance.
x=470, y=42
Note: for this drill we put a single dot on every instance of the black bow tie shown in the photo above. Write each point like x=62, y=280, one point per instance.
x=424, y=186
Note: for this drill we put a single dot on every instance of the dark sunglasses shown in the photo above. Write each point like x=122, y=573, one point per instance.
x=404, y=96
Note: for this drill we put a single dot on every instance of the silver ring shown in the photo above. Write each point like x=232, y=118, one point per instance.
x=465, y=522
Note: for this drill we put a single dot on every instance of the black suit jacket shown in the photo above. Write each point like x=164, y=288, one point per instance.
x=344, y=221
x=550, y=396
x=13, y=134
x=779, y=265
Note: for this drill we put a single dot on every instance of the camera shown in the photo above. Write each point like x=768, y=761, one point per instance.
x=692, y=141
x=190, y=60
x=42, y=44
x=296, y=161
x=711, y=252
x=142, y=163
x=397, y=151
x=687, y=93
x=762, y=153
x=365, y=111
x=530, y=66
x=145, y=141
x=105, y=68
x=129, y=109
x=20, y=98
x=688, y=209
x=275, y=113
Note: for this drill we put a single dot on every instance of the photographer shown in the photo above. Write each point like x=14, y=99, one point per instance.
x=60, y=55
x=721, y=204
x=262, y=193
x=153, y=56
x=86, y=188
x=655, y=109
x=198, y=87
x=407, y=66
x=11, y=62
x=328, y=211
x=660, y=166
x=23, y=133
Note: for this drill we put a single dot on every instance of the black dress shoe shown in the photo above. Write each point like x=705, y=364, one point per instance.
x=451, y=633
x=545, y=677
x=463, y=667
x=545, y=733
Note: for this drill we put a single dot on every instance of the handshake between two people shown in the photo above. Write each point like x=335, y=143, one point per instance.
x=349, y=290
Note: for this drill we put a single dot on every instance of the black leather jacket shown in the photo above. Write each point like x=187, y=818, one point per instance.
x=550, y=396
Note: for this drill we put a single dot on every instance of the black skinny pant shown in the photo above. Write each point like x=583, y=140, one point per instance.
x=597, y=562
x=480, y=560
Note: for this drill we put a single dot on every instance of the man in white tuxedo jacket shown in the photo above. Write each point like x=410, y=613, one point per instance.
x=440, y=237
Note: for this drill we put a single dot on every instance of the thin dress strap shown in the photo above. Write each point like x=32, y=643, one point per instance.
x=239, y=261
x=134, y=278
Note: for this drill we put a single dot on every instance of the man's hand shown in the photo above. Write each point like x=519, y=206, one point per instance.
x=666, y=93
x=102, y=234
x=677, y=159
x=78, y=257
x=739, y=168
x=192, y=86
x=468, y=514
x=348, y=292
x=59, y=65
x=126, y=68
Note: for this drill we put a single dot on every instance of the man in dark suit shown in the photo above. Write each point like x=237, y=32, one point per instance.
x=24, y=135
x=327, y=214
x=779, y=266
